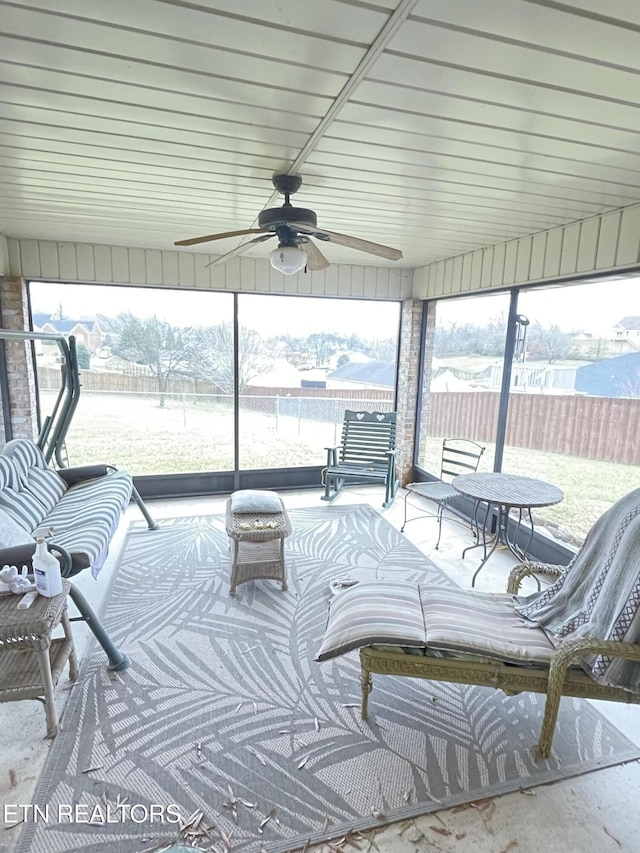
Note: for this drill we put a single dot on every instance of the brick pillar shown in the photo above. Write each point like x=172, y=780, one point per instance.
x=427, y=370
x=408, y=386
x=21, y=379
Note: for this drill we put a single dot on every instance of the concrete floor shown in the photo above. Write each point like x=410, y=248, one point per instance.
x=597, y=811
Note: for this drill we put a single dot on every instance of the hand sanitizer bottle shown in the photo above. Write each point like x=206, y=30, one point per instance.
x=46, y=571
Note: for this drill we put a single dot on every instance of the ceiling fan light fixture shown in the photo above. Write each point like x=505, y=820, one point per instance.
x=288, y=259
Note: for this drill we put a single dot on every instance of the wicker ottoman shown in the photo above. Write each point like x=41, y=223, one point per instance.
x=257, y=546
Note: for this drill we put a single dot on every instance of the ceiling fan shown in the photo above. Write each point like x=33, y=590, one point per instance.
x=294, y=227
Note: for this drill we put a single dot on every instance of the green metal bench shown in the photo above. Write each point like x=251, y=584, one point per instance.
x=367, y=454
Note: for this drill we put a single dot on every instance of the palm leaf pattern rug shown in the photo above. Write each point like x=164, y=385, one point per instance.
x=224, y=711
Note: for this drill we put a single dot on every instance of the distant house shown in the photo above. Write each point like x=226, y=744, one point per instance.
x=87, y=332
x=535, y=376
x=445, y=380
x=627, y=330
x=611, y=377
x=281, y=374
x=373, y=374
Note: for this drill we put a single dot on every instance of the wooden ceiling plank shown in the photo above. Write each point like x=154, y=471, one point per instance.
x=514, y=61
x=471, y=84
x=226, y=135
x=418, y=125
x=547, y=28
x=386, y=34
x=252, y=177
x=473, y=122
x=393, y=173
x=17, y=148
x=359, y=190
x=469, y=156
x=483, y=142
x=21, y=84
x=158, y=66
x=91, y=24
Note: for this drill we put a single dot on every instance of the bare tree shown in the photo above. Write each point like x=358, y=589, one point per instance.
x=60, y=313
x=163, y=348
x=548, y=343
x=211, y=355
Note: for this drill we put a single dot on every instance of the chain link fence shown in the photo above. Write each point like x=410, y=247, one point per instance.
x=153, y=433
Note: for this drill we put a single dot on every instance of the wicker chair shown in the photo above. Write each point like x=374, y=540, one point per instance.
x=579, y=636
x=560, y=676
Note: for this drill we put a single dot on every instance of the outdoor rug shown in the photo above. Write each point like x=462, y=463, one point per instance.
x=225, y=716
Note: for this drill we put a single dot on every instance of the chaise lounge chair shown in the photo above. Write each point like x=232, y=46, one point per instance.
x=578, y=637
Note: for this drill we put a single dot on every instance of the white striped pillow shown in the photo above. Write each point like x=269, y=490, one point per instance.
x=370, y=613
x=9, y=477
x=46, y=485
x=23, y=507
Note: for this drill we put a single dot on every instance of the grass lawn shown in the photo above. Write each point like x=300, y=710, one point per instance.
x=589, y=485
x=136, y=433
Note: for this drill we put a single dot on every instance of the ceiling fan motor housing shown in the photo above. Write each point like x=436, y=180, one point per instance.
x=271, y=218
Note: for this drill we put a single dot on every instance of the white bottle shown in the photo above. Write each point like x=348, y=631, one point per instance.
x=46, y=571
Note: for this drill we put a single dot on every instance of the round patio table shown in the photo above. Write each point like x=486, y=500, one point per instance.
x=503, y=493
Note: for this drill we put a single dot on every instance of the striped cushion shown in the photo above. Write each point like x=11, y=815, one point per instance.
x=28, y=488
x=23, y=507
x=46, y=485
x=9, y=478
x=85, y=518
x=376, y=612
x=25, y=453
x=481, y=623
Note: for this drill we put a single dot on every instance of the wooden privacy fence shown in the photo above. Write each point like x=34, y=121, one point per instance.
x=332, y=393
x=94, y=380
x=592, y=427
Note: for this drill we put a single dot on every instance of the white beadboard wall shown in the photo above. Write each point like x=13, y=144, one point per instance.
x=604, y=243
x=103, y=264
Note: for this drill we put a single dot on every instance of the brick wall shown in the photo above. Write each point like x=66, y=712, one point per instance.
x=22, y=389
x=410, y=325
x=427, y=367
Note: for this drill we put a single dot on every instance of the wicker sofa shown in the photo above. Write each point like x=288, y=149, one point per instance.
x=77, y=510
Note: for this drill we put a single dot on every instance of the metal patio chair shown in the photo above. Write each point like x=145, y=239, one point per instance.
x=459, y=456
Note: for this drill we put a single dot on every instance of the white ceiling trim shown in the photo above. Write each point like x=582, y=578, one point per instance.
x=607, y=243
x=383, y=38
x=104, y=264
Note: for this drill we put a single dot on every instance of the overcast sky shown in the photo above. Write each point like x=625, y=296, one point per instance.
x=592, y=307
x=269, y=315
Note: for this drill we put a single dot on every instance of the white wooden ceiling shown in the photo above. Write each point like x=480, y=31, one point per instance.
x=435, y=126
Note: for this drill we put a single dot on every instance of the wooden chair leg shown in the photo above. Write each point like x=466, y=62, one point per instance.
x=366, y=684
x=44, y=664
x=73, y=658
x=557, y=672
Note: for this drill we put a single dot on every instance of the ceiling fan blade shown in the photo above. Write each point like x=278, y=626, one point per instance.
x=194, y=240
x=238, y=250
x=352, y=242
x=315, y=259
